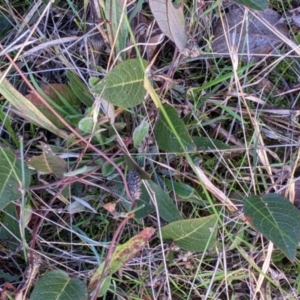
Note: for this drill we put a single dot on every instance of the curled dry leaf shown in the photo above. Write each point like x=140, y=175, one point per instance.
x=250, y=37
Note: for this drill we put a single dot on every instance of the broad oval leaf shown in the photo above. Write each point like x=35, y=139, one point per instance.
x=171, y=21
x=124, y=85
x=192, y=234
x=11, y=177
x=255, y=4
x=166, y=139
x=277, y=219
x=59, y=286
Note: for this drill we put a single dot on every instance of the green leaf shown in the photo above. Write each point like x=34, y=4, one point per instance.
x=80, y=89
x=183, y=190
x=204, y=143
x=10, y=229
x=192, y=234
x=166, y=206
x=140, y=133
x=11, y=177
x=124, y=85
x=277, y=219
x=6, y=24
x=87, y=125
x=144, y=204
x=7, y=124
x=8, y=277
x=59, y=286
x=93, y=81
x=132, y=164
x=255, y=4
x=230, y=112
x=105, y=286
x=108, y=168
x=117, y=29
x=144, y=201
x=165, y=137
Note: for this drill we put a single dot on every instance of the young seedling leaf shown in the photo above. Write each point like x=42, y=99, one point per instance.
x=124, y=85
x=48, y=163
x=277, y=219
x=58, y=285
x=171, y=21
x=140, y=133
x=192, y=234
x=165, y=137
x=255, y=4
x=11, y=177
x=87, y=125
x=123, y=254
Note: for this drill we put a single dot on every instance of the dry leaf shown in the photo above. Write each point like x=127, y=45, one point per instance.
x=171, y=21
x=48, y=163
x=110, y=207
x=255, y=39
